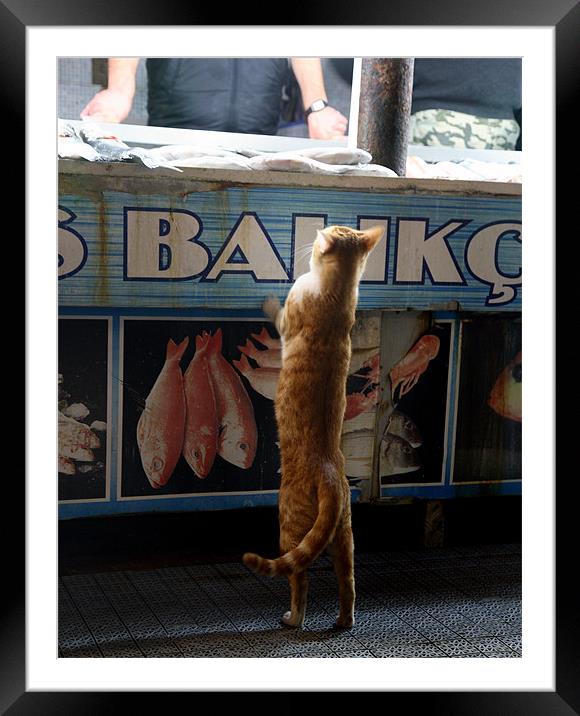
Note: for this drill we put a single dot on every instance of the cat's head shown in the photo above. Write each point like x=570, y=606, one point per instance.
x=345, y=246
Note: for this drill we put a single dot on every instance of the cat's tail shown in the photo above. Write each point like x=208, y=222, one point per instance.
x=330, y=502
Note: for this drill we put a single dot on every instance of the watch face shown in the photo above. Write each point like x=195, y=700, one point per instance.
x=318, y=105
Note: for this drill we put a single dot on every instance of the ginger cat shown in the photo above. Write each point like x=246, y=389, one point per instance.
x=314, y=500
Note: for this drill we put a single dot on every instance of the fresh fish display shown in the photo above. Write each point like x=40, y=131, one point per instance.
x=213, y=162
x=335, y=155
x=397, y=456
x=76, y=440
x=200, y=442
x=467, y=169
x=92, y=142
x=72, y=147
x=262, y=380
x=290, y=162
x=506, y=395
x=109, y=147
x=402, y=426
x=238, y=436
x=370, y=170
x=161, y=427
x=409, y=369
x=177, y=152
x=269, y=358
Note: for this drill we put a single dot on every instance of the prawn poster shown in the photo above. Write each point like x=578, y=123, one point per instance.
x=489, y=419
x=413, y=442
x=198, y=411
x=83, y=366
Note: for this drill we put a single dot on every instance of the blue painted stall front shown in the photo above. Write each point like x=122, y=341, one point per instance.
x=151, y=263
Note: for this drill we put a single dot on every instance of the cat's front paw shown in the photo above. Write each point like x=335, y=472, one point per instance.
x=271, y=307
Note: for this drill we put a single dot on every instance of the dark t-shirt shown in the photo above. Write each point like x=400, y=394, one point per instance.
x=486, y=87
x=219, y=94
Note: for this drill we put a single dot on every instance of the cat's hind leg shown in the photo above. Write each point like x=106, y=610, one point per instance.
x=299, y=591
x=341, y=550
x=298, y=586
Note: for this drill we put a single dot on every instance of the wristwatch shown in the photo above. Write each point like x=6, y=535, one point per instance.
x=316, y=106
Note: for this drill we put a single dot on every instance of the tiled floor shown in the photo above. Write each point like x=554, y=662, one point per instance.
x=458, y=602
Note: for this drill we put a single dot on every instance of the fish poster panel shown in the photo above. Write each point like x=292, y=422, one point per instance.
x=488, y=442
x=197, y=407
x=83, y=388
x=412, y=447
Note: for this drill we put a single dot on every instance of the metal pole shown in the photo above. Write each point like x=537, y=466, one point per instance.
x=384, y=109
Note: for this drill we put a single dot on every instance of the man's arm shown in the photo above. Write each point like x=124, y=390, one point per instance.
x=114, y=103
x=327, y=123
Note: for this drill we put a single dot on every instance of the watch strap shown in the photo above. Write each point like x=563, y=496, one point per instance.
x=316, y=106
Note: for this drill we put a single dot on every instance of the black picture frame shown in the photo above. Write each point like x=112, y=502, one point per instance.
x=564, y=17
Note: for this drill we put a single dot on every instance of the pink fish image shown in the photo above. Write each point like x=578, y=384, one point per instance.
x=238, y=437
x=265, y=339
x=270, y=358
x=161, y=427
x=200, y=443
x=262, y=380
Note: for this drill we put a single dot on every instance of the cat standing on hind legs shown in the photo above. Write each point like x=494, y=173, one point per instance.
x=314, y=500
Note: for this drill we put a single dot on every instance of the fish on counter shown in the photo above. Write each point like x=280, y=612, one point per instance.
x=402, y=426
x=397, y=456
x=238, y=437
x=161, y=427
x=506, y=395
x=200, y=442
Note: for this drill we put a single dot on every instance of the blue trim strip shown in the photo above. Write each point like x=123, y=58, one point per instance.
x=455, y=490
x=181, y=504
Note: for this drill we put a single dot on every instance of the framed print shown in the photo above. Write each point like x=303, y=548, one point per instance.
x=132, y=347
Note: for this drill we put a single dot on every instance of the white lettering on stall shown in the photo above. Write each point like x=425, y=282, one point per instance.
x=417, y=251
x=376, y=268
x=72, y=249
x=482, y=261
x=162, y=244
x=304, y=230
x=249, y=249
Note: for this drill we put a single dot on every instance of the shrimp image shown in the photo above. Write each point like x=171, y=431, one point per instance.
x=364, y=399
x=409, y=369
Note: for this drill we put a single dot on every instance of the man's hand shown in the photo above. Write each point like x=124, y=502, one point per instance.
x=327, y=123
x=114, y=103
x=108, y=105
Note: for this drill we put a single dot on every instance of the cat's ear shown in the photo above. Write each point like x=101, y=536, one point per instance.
x=372, y=236
x=325, y=243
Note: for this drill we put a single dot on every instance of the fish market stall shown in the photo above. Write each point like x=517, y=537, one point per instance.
x=168, y=368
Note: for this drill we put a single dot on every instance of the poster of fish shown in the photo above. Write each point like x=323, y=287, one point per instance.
x=83, y=415
x=488, y=441
x=412, y=446
x=198, y=406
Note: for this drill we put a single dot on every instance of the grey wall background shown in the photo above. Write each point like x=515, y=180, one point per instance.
x=76, y=88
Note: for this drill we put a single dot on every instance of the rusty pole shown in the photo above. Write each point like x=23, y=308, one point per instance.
x=384, y=109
